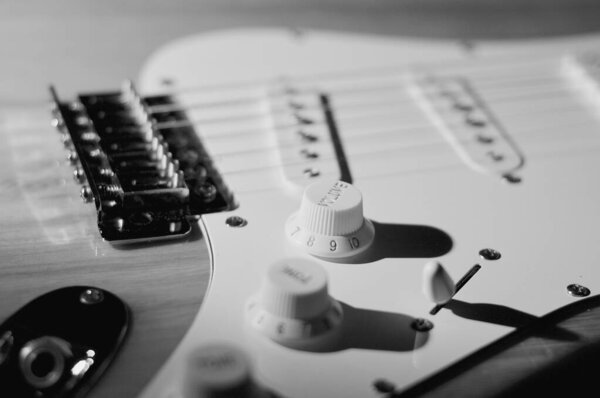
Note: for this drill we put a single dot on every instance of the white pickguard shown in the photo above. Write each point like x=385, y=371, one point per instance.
x=545, y=227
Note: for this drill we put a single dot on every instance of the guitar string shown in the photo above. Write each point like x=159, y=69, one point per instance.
x=421, y=168
x=330, y=89
x=348, y=134
x=393, y=151
x=402, y=100
x=363, y=127
x=296, y=106
x=434, y=143
x=502, y=62
x=282, y=93
x=352, y=133
x=429, y=126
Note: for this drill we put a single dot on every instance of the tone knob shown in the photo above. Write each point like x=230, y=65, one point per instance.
x=219, y=370
x=293, y=306
x=330, y=222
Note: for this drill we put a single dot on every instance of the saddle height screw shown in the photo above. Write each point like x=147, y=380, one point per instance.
x=489, y=254
x=576, y=290
x=236, y=222
x=91, y=296
x=422, y=325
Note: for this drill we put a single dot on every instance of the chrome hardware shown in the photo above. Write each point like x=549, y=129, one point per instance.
x=86, y=194
x=311, y=172
x=236, y=222
x=91, y=296
x=42, y=361
x=129, y=163
x=511, y=178
x=490, y=254
x=422, y=325
x=208, y=192
x=79, y=175
x=51, y=347
x=308, y=137
x=576, y=290
x=308, y=154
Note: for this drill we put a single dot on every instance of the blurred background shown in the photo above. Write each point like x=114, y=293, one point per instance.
x=89, y=45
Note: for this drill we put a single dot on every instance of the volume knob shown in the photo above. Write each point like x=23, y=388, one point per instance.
x=219, y=371
x=330, y=222
x=293, y=306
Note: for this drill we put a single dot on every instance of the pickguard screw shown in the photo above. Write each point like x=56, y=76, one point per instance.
x=576, y=290
x=236, y=222
x=91, y=296
x=167, y=81
x=422, y=325
x=489, y=254
x=511, y=178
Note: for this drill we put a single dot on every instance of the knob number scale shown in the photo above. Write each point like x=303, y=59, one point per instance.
x=293, y=307
x=332, y=246
x=330, y=222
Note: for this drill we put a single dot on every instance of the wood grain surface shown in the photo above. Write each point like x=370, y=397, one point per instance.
x=48, y=239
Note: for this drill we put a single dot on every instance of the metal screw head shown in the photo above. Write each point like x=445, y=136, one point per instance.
x=422, y=325
x=236, y=222
x=86, y=194
x=79, y=175
x=91, y=296
x=511, y=178
x=489, y=254
x=576, y=290
x=207, y=191
x=140, y=219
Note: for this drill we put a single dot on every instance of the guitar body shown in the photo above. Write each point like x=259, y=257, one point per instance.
x=423, y=176
x=430, y=182
x=50, y=240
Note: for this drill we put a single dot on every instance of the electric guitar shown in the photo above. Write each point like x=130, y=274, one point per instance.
x=323, y=172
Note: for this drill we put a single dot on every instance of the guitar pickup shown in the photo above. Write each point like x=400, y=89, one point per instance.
x=147, y=179
x=467, y=124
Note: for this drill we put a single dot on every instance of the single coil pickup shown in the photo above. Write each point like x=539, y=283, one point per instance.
x=467, y=123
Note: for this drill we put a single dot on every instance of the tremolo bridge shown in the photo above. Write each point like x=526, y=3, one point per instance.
x=147, y=174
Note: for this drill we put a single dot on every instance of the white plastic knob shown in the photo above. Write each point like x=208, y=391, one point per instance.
x=295, y=288
x=219, y=370
x=438, y=286
x=330, y=222
x=293, y=306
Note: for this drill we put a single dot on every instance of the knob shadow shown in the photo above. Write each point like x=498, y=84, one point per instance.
x=405, y=241
x=376, y=330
